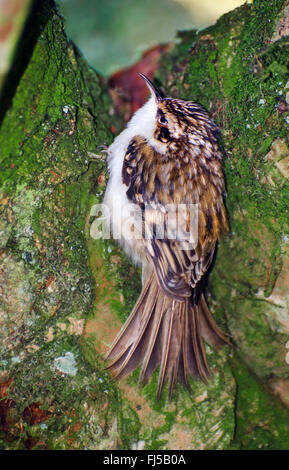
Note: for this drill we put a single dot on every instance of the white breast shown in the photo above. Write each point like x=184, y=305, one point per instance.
x=122, y=212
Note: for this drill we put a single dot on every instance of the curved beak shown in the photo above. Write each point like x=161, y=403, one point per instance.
x=154, y=91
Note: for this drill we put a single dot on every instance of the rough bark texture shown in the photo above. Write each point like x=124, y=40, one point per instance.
x=54, y=394
x=64, y=295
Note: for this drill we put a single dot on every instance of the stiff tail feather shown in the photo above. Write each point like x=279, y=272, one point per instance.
x=166, y=332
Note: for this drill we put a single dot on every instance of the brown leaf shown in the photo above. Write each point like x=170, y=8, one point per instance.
x=4, y=386
x=127, y=89
x=33, y=414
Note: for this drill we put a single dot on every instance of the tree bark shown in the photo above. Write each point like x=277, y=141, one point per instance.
x=64, y=294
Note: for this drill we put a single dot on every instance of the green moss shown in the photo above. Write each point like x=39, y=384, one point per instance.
x=261, y=423
x=47, y=181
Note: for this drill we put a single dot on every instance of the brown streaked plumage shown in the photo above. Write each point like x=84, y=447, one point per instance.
x=176, y=162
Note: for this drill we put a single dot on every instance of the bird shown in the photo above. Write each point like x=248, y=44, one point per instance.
x=164, y=163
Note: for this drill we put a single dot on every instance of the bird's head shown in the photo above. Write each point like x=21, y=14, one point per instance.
x=168, y=123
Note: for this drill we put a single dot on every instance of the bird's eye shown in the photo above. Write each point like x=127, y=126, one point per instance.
x=163, y=120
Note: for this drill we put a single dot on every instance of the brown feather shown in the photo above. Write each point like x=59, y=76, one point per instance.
x=168, y=334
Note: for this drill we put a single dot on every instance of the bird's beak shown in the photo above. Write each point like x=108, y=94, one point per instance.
x=154, y=91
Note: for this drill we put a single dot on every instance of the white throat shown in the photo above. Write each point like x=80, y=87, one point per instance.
x=143, y=121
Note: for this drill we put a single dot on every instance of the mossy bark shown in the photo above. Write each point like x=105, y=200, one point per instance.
x=64, y=294
x=53, y=395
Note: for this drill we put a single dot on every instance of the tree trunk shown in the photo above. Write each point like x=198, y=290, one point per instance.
x=64, y=294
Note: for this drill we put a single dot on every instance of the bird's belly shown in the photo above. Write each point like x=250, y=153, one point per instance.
x=125, y=221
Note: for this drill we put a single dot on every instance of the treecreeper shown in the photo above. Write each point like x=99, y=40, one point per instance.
x=165, y=197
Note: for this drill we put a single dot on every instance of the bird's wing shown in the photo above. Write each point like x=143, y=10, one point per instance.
x=179, y=261
x=179, y=270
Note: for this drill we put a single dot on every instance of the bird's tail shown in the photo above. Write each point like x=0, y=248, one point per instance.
x=162, y=331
